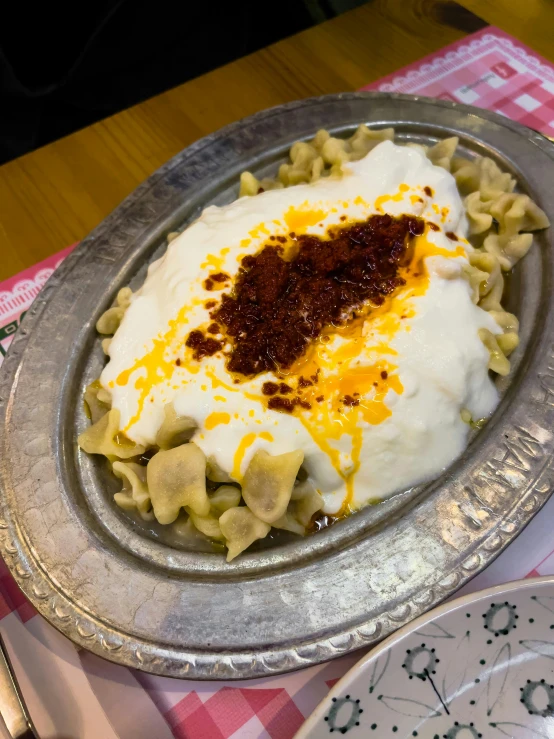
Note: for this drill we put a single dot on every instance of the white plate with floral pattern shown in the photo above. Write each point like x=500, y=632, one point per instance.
x=479, y=666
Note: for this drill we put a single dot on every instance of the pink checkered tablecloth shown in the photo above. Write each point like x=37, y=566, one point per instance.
x=72, y=693
x=489, y=69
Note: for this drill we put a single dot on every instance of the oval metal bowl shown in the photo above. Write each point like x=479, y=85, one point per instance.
x=127, y=594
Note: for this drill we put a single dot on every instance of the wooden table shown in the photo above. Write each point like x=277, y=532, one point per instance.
x=56, y=195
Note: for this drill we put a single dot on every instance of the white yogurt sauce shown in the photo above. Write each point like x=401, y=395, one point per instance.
x=427, y=342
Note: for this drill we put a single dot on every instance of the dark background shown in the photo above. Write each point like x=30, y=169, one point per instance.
x=63, y=67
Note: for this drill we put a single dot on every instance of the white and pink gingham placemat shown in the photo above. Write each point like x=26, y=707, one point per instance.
x=489, y=69
x=74, y=695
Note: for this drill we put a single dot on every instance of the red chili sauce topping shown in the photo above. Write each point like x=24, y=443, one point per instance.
x=202, y=346
x=219, y=277
x=282, y=301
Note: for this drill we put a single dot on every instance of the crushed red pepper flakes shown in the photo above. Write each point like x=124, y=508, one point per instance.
x=350, y=401
x=303, y=382
x=279, y=306
x=213, y=328
x=428, y=191
x=384, y=374
x=270, y=388
x=451, y=235
x=284, y=389
x=178, y=362
x=220, y=277
x=278, y=403
x=287, y=405
x=433, y=226
x=202, y=346
x=319, y=398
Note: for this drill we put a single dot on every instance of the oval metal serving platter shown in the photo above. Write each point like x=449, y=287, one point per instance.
x=123, y=592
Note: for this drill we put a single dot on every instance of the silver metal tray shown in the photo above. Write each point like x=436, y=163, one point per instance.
x=125, y=593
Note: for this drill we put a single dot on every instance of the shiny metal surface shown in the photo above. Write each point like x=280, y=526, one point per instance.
x=12, y=706
x=122, y=591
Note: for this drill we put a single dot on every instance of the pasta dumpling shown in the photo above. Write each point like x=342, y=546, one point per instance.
x=481, y=175
x=287, y=522
x=97, y=401
x=497, y=362
x=109, y=321
x=241, y=528
x=508, y=249
x=214, y=473
x=225, y=497
x=442, y=152
x=478, y=214
x=134, y=495
x=305, y=503
x=516, y=212
x=268, y=483
x=176, y=479
x=104, y=437
x=175, y=430
x=207, y=525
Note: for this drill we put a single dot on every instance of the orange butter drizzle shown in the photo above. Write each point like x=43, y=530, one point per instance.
x=216, y=419
x=397, y=198
x=155, y=363
x=246, y=442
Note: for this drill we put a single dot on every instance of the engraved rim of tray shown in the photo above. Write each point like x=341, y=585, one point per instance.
x=141, y=604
